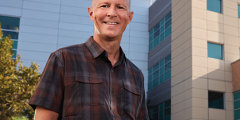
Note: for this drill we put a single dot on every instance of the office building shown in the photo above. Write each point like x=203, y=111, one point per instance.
x=188, y=50
x=203, y=45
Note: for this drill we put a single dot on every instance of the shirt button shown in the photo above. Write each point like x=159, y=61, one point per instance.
x=133, y=89
x=111, y=70
x=114, y=111
x=89, y=78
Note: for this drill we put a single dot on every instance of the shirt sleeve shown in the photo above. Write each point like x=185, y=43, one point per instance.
x=50, y=89
x=143, y=112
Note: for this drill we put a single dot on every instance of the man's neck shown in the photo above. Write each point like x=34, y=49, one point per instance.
x=111, y=46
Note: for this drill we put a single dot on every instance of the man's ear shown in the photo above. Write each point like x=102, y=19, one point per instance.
x=130, y=16
x=90, y=12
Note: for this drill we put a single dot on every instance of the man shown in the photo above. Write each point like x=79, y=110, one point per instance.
x=94, y=80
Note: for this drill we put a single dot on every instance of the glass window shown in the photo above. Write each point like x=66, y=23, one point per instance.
x=150, y=71
x=160, y=72
x=162, y=62
x=237, y=114
x=151, y=32
x=215, y=51
x=155, y=74
x=214, y=5
x=168, y=66
x=15, y=43
x=239, y=53
x=10, y=26
x=168, y=32
x=156, y=27
x=10, y=23
x=162, y=37
x=149, y=78
x=151, y=46
x=237, y=105
x=14, y=35
x=149, y=85
x=155, y=67
x=167, y=112
x=168, y=24
x=162, y=21
x=156, y=41
x=151, y=39
x=156, y=82
x=167, y=104
x=168, y=59
x=167, y=75
x=156, y=34
x=162, y=29
x=238, y=11
x=159, y=112
x=161, y=79
x=237, y=96
x=169, y=15
x=215, y=100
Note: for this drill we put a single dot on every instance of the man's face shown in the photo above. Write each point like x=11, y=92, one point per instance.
x=110, y=17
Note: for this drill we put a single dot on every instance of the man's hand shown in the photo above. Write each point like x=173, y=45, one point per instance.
x=42, y=113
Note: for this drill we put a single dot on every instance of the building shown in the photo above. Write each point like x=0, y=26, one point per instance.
x=188, y=50
x=203, y=45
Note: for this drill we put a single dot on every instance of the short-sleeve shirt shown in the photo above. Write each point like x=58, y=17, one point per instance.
x=80, y=83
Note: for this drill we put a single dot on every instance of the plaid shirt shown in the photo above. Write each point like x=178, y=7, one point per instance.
x=79, y=83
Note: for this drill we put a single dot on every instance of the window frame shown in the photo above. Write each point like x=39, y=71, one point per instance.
x=224, y=104
x=162, y=32
x=222, y=50
x=16, y=31
x=151, y=71
x=221, y=7
x=159, y=110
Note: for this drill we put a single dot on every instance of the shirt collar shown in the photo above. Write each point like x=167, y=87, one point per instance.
x=97, y=50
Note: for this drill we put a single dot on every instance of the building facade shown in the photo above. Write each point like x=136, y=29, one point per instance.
x=203, y=45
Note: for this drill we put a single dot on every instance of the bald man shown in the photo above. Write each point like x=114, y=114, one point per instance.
x=94, y=80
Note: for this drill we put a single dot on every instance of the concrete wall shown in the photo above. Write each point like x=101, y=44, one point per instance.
x=47, y=25
x=193, y=72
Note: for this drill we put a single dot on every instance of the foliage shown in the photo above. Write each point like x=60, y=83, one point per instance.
x=17, y=82
x=19, y=118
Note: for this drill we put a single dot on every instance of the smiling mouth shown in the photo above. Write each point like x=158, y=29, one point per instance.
x=111, y=23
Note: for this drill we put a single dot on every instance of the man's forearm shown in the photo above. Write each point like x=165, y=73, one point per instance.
x=42, y=113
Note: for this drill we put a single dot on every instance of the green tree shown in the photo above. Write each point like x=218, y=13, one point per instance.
x=17, y=82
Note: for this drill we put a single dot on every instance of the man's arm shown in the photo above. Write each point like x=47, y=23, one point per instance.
x=42, y=113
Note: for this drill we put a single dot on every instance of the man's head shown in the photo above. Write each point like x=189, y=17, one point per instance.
x=110, y=17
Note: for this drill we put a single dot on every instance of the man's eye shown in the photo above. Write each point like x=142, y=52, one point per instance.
x=120, y=8
x=104, y=6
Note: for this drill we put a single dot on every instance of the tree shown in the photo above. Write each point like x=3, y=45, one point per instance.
x=17, y=82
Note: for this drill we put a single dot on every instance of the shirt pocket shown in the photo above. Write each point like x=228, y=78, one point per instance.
x=84, y=93
x=132, y=98
x=90, y=88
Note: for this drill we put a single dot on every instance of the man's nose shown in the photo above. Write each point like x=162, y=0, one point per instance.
x=112, y=12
